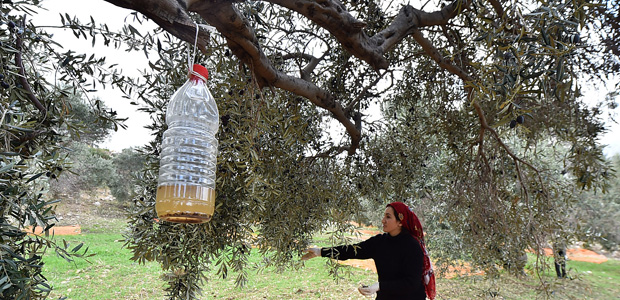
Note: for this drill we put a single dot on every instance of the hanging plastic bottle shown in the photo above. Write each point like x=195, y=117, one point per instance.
x=186, y=186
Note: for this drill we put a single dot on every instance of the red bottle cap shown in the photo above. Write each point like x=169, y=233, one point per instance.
x=200, y=70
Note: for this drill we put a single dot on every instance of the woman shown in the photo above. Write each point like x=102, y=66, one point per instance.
x=400, y=256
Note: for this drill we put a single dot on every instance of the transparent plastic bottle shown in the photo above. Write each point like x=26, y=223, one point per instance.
x=186, y=186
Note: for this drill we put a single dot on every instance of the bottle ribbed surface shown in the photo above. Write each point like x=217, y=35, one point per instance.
x=186, y=185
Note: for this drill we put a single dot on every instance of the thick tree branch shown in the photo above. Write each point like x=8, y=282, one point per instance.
x=243, y=42
x=171, y=15
x=306, y=72
x=334, y=17
x=437, y=57
x=499, y=9
x=325, y=100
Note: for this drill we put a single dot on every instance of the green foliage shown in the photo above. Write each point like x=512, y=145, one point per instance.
x=608, y=14
x=127, y=165
x=268, y=194
x=22, y=205
x=598, y=213
x=34, y=114
x=485, y=189
x=84, y=159
x=87, y=126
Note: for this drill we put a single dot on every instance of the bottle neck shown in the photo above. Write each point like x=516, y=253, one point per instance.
x=197, y=78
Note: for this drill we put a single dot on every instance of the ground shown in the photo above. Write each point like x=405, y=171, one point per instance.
x=576, y=252
x=99, y=208
x=87, y=210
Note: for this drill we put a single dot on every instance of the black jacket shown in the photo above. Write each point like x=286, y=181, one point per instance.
x=399, y=261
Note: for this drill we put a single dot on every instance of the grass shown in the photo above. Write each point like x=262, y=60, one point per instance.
x=310, y=282
x=111, y=275
x=603, y=278
x=108, y=275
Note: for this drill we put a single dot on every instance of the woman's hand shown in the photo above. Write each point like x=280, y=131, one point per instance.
x=311, y=253
x=369, y=290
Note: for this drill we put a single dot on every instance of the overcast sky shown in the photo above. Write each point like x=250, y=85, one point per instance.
x=103, y=12
x=136, y=134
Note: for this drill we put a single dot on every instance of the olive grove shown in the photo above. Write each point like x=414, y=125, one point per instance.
x=470, y=111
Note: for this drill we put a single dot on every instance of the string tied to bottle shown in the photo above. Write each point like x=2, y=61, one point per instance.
x=191, y=57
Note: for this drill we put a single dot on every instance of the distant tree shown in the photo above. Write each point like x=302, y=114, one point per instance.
x=87, y=126
x=127, y=164
x=88, y=168
x=597, y=215
x=83, y=128
x=105, y=170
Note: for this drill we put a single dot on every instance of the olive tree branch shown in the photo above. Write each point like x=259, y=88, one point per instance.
x=429, y=48
x=171, y=15
x=361, y=95
x=305, y=72
x=485, y=127
x=22, y=74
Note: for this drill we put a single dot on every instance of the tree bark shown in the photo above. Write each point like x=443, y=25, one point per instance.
x=171, y=15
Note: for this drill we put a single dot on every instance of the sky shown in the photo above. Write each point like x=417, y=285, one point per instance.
x=135, y=134
x=611, y=138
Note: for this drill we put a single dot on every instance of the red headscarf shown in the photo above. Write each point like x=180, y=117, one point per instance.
x=411, y=222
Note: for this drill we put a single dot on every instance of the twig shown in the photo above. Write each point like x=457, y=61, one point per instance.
x=331, y=152
x=22, y=73
x=359, y=97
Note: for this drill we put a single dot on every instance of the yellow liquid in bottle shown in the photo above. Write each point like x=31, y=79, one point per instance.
x=182, y=203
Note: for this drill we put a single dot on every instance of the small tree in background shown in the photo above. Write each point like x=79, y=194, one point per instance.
x=598, y=214
x=128, y=164
x=83, y=159
x=86, y=126
x=82, y=130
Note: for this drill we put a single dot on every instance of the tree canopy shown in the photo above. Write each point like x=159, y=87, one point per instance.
x=470, y=91
x=516, y=43
x=469, y=111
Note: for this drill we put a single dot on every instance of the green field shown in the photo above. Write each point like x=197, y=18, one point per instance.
x=110, y=274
